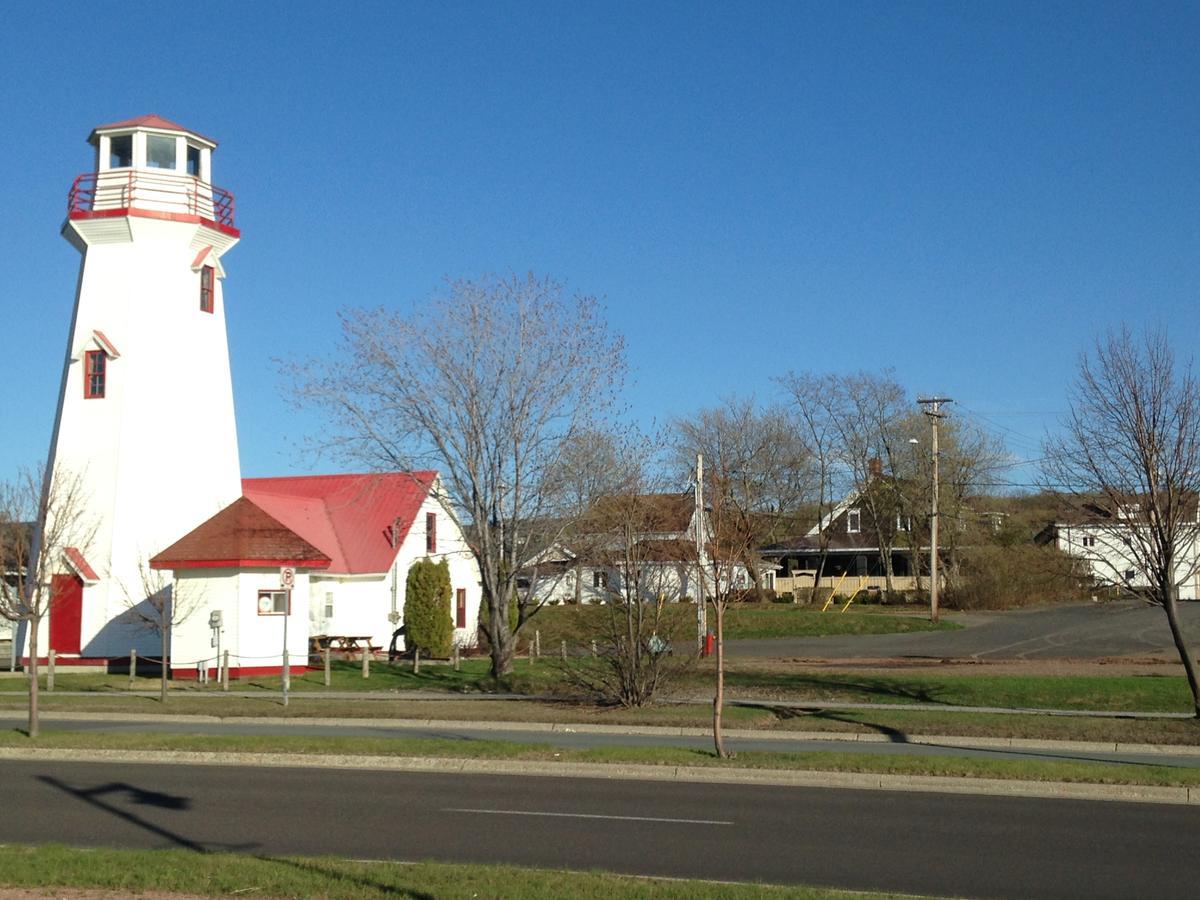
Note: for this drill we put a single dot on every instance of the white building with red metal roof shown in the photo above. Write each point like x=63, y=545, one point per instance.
x=351, y=540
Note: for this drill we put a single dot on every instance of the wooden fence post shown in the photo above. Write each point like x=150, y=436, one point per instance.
x=562, y=651
x=132, y=667
x=416, y=660
x=50, y=671
x=225, y=672
x=366, y=663
x=326, y=652
x=593, y=649
x=456, y=657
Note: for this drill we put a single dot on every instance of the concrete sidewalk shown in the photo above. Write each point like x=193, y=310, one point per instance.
x=535, y=728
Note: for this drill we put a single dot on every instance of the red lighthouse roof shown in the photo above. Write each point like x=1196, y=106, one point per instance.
x=153, y=120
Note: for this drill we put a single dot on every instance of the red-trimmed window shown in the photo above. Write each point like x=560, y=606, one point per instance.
x=206, y=289
x=93, y=374
x=431, y=532
x=460, y=608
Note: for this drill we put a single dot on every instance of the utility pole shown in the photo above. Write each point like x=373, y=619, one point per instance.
x=701, y=553
x=932, y=408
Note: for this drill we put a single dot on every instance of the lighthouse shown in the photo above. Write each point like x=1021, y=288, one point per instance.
x=145, y=418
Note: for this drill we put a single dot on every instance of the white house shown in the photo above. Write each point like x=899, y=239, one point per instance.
x=145, y=408
x=1109, y=545
x=351, y=540
x=642, y=546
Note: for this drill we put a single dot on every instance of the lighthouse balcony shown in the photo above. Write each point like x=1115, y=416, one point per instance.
x=137, y=192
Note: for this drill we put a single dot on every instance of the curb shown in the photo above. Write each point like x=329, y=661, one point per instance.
x=797, y=779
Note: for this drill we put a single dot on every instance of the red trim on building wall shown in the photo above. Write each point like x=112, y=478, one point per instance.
x=430, y=532
x=121, y=212
x=460, y=608
x=184, y=673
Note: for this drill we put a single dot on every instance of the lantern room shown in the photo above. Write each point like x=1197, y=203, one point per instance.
x=150, y=166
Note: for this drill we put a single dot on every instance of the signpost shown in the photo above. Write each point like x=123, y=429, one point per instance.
x=287, y=580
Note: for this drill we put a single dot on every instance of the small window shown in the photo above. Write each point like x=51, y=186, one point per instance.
x=431, y=532
x=93, y=377
x=160, y=152
x=193, y=161
x=1089, y=540
x=328, y=605
x=206, y=289
x=274, y=603
x=599, y=579
x=120, y=151
x=903, y=522
x=853, y=521
x=460, y=608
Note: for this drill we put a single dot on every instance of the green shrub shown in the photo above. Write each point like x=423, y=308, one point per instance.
x=994, y=577
x=427, y=620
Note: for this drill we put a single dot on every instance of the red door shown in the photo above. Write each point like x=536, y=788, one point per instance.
x=66, y=613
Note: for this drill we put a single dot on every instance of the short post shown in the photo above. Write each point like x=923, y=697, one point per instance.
x=132, y=667
x=287, y=679
x=366, y=662
x=537, y=642
x=593, y=649
x=12, y=651
x=225, y=672
x=326, y=654
x=562, y=651
x=50, y=672
x=455, y=652
x=416, y=660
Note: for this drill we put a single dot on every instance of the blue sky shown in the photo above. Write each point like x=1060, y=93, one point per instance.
x=966, y=192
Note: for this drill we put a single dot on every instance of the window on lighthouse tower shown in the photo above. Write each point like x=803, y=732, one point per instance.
x=93, y=375
x=206, y=289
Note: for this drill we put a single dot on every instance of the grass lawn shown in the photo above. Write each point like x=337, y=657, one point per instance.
x=230, y=874
x=578, y=625
x=547, y=753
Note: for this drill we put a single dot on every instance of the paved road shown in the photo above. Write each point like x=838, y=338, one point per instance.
x=468, y=733
x=911, y=842
x=1074, y=631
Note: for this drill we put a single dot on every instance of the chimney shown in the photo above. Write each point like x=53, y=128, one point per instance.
x=875, y=467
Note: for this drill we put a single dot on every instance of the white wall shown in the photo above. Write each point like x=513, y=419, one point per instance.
x=1110, y=558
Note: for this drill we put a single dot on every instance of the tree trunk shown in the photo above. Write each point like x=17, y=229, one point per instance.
x=1185, y=656
x=502, y=650
x=164, y=631
x=34, y=624
x=719, y=696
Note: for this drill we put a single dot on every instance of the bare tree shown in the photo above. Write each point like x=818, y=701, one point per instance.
x=643, y=614
x=731, y=544
x=157, y=606
x=816, y=424
x=41, y=518
x=1130, y=448
x=767, y=466
x=487, y=383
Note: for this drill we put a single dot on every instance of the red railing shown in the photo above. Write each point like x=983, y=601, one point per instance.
x=95, y=193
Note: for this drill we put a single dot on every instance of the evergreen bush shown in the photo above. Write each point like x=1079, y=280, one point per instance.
x=427, y=617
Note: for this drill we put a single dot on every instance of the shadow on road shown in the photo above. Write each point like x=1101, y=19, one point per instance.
x=104, y=797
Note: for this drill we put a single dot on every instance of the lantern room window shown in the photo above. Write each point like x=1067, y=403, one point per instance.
x=160, y=152
x=120, y=151
x=193, y=161
x=93, y=375
x=206, y=289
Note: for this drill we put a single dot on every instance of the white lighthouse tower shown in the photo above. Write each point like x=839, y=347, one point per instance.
x=145, y=413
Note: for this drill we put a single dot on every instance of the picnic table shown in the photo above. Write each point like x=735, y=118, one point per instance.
x=345, y=643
